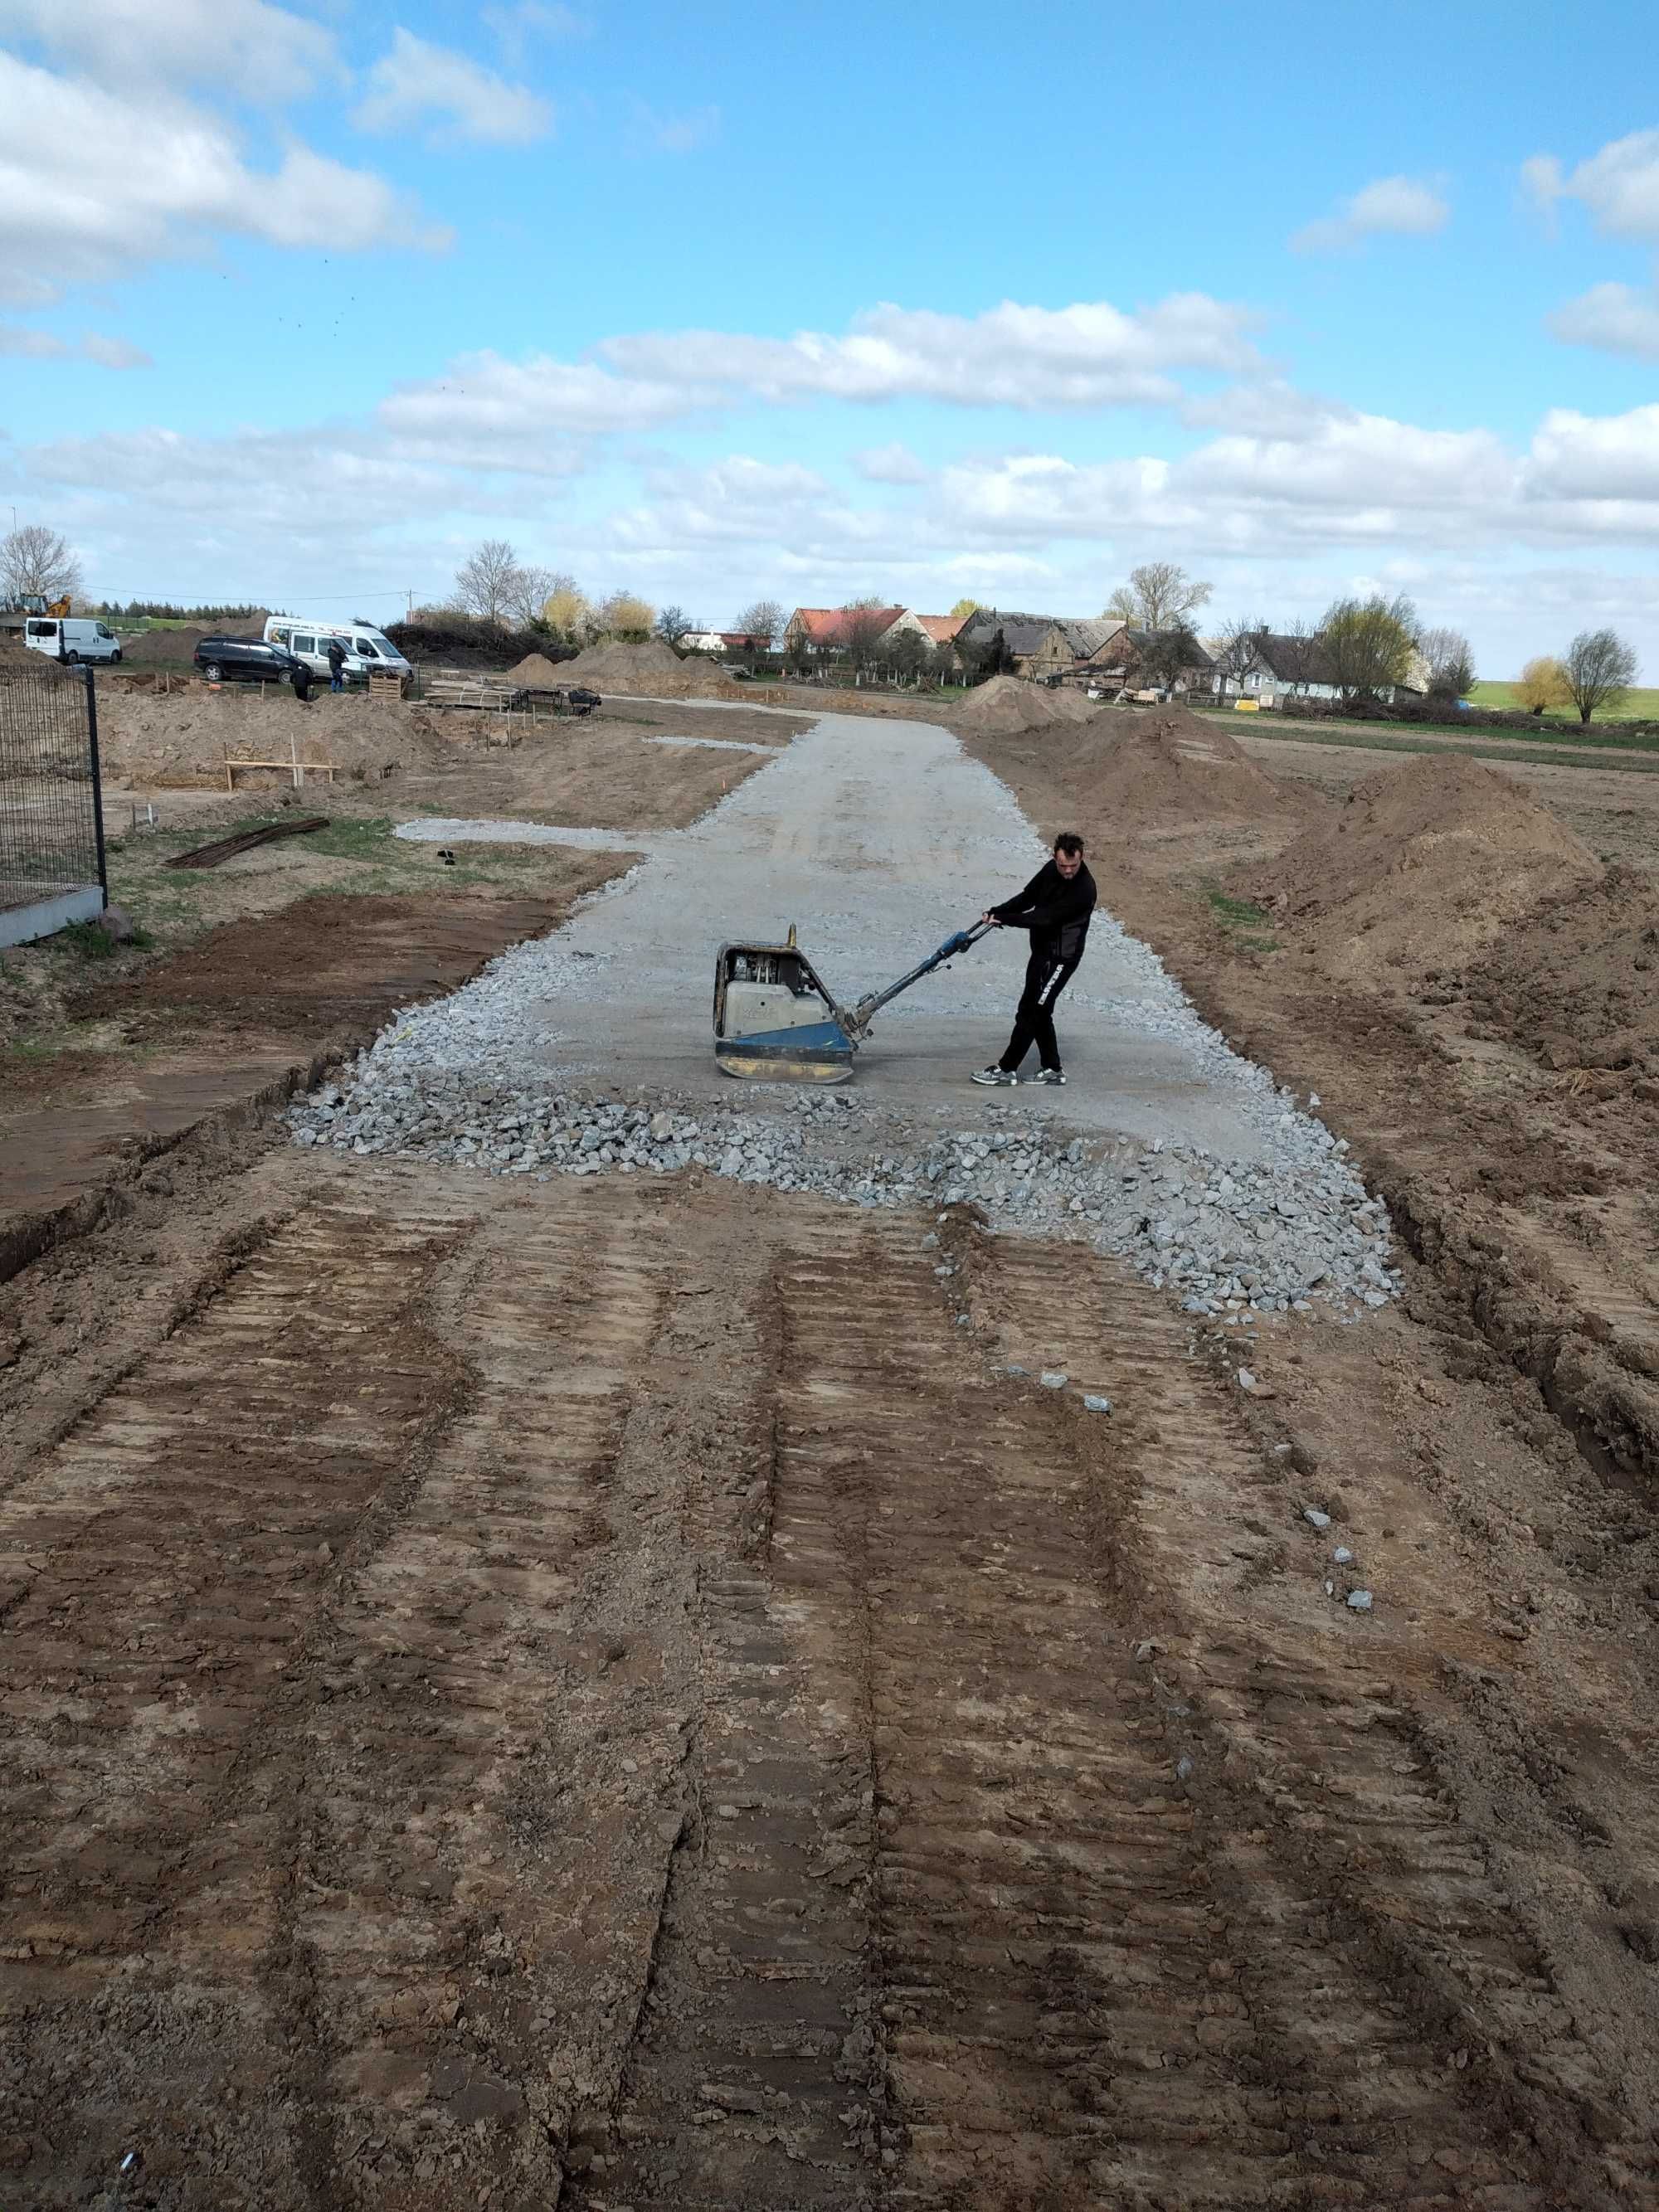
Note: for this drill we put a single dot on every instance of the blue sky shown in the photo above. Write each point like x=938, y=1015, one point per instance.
x=297, y=304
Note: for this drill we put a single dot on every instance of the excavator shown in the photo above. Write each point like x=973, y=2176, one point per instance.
x=13, y=613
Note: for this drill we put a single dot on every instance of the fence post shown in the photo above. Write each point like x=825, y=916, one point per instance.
x=97, y=782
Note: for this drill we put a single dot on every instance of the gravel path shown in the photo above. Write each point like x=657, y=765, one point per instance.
x=878, y=838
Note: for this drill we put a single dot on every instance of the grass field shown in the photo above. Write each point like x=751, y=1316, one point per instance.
x=1641, y=705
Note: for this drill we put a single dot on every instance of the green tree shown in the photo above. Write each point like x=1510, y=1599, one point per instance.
x=1600, y=669
x=626, y=617
x=963, y=608
x=1369, y=644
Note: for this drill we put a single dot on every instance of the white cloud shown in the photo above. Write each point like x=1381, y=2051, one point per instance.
x=456, y=100
x=511, y=405
x=1089, y=354
x=1398, y=206
x=1613, y=457
x=890, y=464
x=1619, y=185
x=93, y=181
x=1271, y=409
x=1614, y=316
x=21, y=342
x=269, y=54
x=514, y=28
x=648, y=132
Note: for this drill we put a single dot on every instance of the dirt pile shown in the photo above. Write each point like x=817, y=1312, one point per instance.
x=1575, y=980
x=179, y=740
x=1422, y=868
x=536, y=672
x=653, y=671
x=1160, y=770
x=175, y=649
x=1008, y=704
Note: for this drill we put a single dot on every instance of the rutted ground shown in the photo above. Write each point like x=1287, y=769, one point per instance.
x=605, y=1693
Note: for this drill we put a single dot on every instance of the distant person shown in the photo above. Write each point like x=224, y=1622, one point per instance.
x=1056, y=906
x=336, y=665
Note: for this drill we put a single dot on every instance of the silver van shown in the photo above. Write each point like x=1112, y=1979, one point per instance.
x=367, y=651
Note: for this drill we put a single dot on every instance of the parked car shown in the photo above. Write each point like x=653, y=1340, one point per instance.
x=71, y=638
x=251, y=660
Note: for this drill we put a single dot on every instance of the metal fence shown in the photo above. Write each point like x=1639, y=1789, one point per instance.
x=51, y=830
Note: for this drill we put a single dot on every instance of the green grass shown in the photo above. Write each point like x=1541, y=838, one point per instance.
x=1247, y=921
x=93, y=942
x=1638, y=706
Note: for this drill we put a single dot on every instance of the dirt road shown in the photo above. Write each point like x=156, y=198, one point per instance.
x=618, y=1692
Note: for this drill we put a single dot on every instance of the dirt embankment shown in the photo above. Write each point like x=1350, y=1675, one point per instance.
x=1422, y=867
x=181, y=740
x=1008, y=704
x=1368, y=974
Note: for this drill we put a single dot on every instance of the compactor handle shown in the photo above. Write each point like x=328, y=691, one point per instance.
x=859, y=1016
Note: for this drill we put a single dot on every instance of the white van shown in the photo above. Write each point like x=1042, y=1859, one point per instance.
x=366, y=650
x=73, y=638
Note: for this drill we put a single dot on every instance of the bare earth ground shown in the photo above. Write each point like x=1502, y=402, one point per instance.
x=603, y=1694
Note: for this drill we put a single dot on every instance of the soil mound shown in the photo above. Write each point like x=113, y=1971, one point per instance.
x=653, y=671
x=1424, y=866
x=1161, y=769
x=180, y=740
x=536, y=672
x=1008, y=704
x=1575, y=980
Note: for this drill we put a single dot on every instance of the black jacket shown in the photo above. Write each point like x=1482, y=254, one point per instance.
x=336, y=651
x=1054, y=911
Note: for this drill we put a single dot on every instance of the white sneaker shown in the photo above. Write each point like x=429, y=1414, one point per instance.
x=993, y=1075
x=1048, y=1075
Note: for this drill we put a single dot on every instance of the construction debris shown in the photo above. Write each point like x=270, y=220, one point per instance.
x=227, y=848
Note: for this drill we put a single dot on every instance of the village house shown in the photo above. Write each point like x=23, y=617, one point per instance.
x=815, y=630
x=1073, y=652
x=1022, y=636
x=1283, y=666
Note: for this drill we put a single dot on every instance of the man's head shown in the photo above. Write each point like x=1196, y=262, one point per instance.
x=1068, y=853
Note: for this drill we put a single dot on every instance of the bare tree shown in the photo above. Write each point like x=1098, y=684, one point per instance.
x=1170, y=655
x=1297, y=650
x=36, y=562
x=1451, y=663
x=1159, y=595
x=1235, y=647
x=487, y=582
x=764, y=621
x=528, y=592
x=1600, y=669
x=672, y=624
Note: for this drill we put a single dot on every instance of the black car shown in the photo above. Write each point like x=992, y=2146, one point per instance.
x=251, y=660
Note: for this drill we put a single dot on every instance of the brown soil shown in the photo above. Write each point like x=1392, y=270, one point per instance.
x=1574, y=980
x=633, y=1708
x=653, y=671
x=234, y=1023
x=1007, y=704
x=181, y=739
x=538, y=673
x=1424, y=865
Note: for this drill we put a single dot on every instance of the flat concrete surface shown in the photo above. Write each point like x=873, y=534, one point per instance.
x=877, y=839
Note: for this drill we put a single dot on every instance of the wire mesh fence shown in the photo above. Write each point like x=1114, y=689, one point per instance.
x=51, y=839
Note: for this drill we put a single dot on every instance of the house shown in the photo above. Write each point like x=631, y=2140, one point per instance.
x=814, y=630
x=702, y=640
x=1022, y=636
x=1284, y=666
x=1120, y=665
x=1076, y=650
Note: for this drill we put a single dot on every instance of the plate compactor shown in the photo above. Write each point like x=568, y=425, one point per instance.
x=776, y=1021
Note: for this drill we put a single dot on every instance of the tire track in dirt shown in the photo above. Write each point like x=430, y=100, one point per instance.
x=161, y=1570
x=1091, y=1985
x=1336, y=1833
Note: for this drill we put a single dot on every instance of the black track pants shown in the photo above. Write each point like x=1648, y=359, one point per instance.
x=1046, y=976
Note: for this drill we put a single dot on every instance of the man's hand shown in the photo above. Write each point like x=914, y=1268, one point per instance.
x=995, y=920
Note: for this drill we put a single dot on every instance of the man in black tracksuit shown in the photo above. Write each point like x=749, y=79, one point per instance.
x=1056, y=906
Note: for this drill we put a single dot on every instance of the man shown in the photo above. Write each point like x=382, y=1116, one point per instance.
x=1055, y=906
x=336, y=665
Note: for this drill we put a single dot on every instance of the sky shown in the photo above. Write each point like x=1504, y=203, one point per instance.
x=298, y=304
